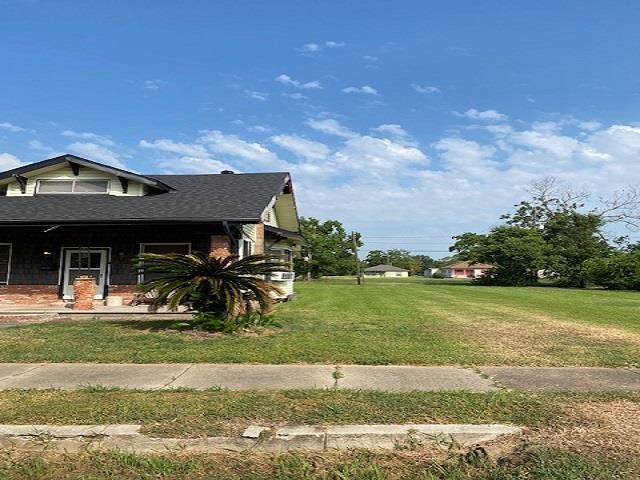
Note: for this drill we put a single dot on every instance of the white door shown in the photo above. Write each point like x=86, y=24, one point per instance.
x=83, y=262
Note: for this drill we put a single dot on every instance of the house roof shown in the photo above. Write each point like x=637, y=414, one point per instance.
x=9, y=175
x=468, y=265
x=385, y=268
x=190, y=199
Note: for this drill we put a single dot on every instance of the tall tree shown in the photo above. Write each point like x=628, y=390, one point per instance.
x=329, y=247
x=517, y=253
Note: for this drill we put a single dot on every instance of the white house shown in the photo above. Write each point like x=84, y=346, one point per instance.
x=386, y=271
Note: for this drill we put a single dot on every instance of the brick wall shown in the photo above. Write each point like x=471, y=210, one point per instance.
x=29, y=295
x=219, y=246
x=127, y=292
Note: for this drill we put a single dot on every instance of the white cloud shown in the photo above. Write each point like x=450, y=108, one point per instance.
x=255, y=95
x=486, y=115
x=428, y=89
x=38, y=146
x=302, y=147
x=97, y=153
x=8, y=162
x=366, y=89
x=287, y=80
x=317, y=47
x=330, y=126
x=396, y=132
x=10, y=127
x=94, y=137
x=154, y=85
x=166, y=145
x=259, y=128
x=378, y=155
x=234, y=146
x=295, y=96
x=370, y=58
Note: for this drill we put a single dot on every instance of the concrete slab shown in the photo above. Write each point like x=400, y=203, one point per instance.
x=8, y=370
x=406, y=378
x=578, y=379
x=256, y=377
x=69, y=376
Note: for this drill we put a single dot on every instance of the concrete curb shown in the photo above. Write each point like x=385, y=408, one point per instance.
x=73, y=438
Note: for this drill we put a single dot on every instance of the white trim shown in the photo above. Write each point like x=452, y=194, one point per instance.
x=107, y=268
x=73, y=182
x=142, y=245
x=8, y=264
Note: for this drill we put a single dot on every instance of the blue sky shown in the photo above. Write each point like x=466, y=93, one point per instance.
x=409, y=118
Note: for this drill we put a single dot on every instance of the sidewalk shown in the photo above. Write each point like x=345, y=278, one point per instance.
x=69, y=376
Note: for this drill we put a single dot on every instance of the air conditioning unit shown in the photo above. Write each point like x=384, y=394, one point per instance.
x=281, y=276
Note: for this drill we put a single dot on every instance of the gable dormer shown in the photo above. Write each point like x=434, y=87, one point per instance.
x=73, y=175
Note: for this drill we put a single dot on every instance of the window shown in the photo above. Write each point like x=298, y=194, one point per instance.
x=162, y=249
x=247, y=248
x=72, y=186
x=5, y=263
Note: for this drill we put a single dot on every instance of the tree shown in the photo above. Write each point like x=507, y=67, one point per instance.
x=329, y=248
x=517, y=253
x=620, y=271
x=218, y=290
x=573, y=238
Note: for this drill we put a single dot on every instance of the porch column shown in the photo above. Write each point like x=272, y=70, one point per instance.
x=258, y=248
x=219, y=246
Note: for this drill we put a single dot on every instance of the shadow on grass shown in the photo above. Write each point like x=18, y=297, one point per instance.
x=147, y=325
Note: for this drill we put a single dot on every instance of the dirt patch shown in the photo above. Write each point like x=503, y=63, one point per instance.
x=26, y=319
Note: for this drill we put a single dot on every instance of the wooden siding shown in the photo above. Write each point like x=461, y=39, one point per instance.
x=65, y=173
x=29, y=267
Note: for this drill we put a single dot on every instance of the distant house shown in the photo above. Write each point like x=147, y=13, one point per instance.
x=386, y=271
x=460, y=270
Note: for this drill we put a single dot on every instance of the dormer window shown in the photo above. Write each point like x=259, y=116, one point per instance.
x=72, y=186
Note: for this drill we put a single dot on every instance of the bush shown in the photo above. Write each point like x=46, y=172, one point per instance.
x=213, y=322
x=617, y=272
x=437, y=275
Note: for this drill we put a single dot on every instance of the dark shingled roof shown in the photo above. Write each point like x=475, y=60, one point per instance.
x=196, y=198
x=385, y=268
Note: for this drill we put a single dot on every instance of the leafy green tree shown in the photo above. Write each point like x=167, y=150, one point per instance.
x=399, y=258
x=517, y=253
x=220, y=289
x=620, y=271
x=329, y=249
x=573, y=238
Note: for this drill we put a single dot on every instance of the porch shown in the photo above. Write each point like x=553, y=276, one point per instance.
x=38, y=265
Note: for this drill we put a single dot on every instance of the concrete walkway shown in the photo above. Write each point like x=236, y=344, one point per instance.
x=69, y=376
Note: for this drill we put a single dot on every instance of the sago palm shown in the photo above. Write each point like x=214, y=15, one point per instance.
x=223, y=286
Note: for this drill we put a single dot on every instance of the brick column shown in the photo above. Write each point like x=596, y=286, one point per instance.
x=258, y=248
x=219, y=246
x=84, y=290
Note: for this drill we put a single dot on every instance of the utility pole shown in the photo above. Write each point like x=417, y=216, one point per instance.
x=355, y=254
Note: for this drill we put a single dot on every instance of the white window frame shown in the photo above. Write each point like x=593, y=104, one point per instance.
x=73, y=182
x=143, y=245
x=7, y=280
x=252, y=246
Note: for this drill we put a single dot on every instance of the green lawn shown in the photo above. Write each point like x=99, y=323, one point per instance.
x=414, y=321
x=568, y=436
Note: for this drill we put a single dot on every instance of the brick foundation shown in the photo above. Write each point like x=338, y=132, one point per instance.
x=29, y=295
x=127, y=292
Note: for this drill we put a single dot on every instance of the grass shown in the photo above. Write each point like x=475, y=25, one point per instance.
x=538, y=464
x=385, y=321
x=184, y=413
x=569, y=436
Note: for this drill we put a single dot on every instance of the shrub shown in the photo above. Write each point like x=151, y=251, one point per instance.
x=617, y=272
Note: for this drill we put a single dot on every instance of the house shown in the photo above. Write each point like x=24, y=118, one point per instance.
x=386, y=271
x=67, y=217
x=460, y=270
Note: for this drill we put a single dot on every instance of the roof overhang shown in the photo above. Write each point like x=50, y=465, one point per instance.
x=285, y=234
x=75, y=162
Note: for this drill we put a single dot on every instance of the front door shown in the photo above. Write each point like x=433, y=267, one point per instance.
x=84, y=262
